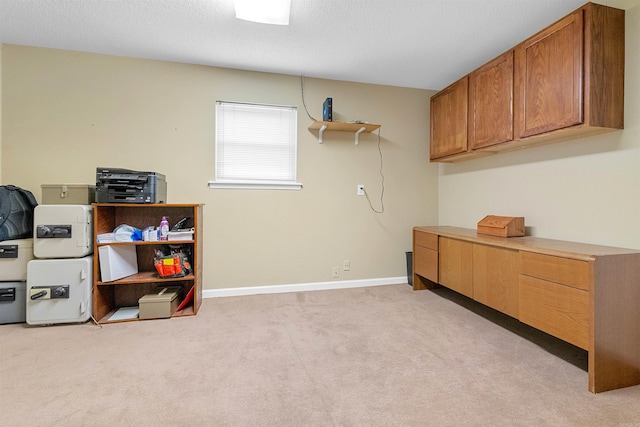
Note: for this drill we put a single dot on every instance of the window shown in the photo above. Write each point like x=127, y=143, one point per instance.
x=256, y=146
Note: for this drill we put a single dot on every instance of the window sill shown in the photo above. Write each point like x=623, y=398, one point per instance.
x=249, y=185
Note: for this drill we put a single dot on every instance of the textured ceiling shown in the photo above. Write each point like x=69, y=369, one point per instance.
x=411, y=43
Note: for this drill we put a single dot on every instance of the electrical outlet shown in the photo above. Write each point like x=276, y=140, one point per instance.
x=360, y=191
x=346, y=265
x=335, y=272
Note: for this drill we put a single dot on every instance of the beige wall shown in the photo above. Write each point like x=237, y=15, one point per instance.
x=585, y=190
x=66, y=113
x=0, y=113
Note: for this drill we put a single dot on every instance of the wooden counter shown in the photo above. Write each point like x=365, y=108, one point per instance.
x=587, y=295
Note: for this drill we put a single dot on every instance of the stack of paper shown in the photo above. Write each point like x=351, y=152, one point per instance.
x=125, y=313
x=106, y=238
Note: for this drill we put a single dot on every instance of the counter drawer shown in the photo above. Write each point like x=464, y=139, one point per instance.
x=565, y=271
x=428, y=240
x=559, y=310
x=425, y=263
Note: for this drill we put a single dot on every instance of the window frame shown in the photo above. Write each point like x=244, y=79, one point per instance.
x=262, y=184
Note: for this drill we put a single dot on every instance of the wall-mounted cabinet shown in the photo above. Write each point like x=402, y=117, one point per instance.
x=449, y=120
x=491, y=103
x=565, y=82
x=550, y=78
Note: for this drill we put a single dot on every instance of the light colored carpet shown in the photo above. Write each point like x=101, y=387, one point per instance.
x=379, y=356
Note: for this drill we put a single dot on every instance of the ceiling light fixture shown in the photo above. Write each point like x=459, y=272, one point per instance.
x=264, y=11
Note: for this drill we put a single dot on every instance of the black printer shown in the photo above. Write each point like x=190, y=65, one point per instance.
x=128, y=186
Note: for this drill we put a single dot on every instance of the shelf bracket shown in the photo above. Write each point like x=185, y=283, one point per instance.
x=358, y=132
x=320, y=131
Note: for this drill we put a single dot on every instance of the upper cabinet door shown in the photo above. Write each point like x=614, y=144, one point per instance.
x=549, y=78
x=565, y=82
x=449, y=120
x=491, y=103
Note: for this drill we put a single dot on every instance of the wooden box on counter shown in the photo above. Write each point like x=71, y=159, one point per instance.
x=502, y=226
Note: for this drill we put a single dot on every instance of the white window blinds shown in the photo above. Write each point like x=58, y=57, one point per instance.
x=256, y=146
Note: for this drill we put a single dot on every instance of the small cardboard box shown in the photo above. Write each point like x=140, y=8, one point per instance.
x=68, y=194
x=160, y=304
x=502, y=226
x=117, y=261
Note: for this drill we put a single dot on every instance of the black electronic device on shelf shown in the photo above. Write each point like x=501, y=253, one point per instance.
x=327, y=110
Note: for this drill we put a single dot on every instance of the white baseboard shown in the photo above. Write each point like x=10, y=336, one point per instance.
x=301, y=287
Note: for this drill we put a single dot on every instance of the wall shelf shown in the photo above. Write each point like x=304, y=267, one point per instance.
x=356, y=128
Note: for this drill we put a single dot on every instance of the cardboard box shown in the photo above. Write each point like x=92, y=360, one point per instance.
x=160, y=304
x=502, y=226
x=68, y=194
x=117, y=261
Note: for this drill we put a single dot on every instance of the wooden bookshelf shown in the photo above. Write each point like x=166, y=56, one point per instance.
x=108, y=297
